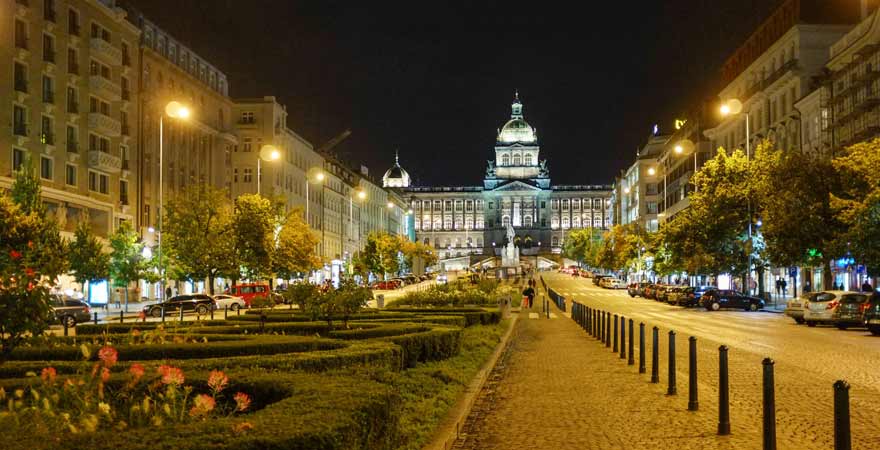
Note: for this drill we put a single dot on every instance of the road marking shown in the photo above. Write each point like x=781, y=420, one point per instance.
x=553, y=315
x=533, y=315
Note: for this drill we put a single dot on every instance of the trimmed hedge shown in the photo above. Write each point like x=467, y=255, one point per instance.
x=299, y=411
x=370, y=331
x=434, y=345
x=265, y=345
x=473, y=316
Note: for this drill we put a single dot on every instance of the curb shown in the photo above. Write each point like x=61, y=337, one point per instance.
x=450, y=428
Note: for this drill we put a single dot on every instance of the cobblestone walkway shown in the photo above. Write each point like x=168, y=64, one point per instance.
x=557, y=388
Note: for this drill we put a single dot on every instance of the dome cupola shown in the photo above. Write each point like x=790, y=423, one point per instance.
x=517, y=129
x=396, y=176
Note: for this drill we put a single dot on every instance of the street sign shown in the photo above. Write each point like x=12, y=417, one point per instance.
x=792, y=272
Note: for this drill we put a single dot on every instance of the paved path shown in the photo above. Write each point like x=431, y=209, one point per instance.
x=561, y=389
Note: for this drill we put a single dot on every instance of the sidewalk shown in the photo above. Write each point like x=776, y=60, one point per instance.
x=562, y=389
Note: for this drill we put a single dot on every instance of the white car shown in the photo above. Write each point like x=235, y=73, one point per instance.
x=612, y=283
x=230, y=302
x=795, y=307
x=820, y=309
x=442, y=278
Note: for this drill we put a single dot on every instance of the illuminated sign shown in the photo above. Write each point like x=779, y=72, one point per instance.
x=679, y=123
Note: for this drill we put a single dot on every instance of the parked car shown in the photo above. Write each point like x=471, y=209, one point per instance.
x=442, y=278
x=820, y=308
x=411, y=279
x=68, y=311
x=660, y=292
x=872, y=314
x=200, y=303
x=598, y=279
x=650, y=291
x=230, y=302
x=689, y=296
x=637, y=289
x=673, y=293
x=715, y=299
x=612, y=283
x=851, y=310
x=383, y=285
x=794, y=308
x=248, y=291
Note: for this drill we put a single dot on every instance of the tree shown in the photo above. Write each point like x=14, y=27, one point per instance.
x=798, y=220
x=301, y=294
x=583, y=246
x=31, y=258
x=413, y=250
x=856, y=202
x=88, y=262
x=126, y=262
x=198, y=234
x=295, y=251
x=380, y=253
x=253, y=234
x=349, y=298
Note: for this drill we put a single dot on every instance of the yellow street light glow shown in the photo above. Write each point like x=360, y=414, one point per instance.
x=390, y=205
x=177, y=110
x=725, y=110
x=269, y=153
x=319, y=176
x=651, y=171
x=730, y=107
x=626, y=191
x=679, y=149
x=362, y=195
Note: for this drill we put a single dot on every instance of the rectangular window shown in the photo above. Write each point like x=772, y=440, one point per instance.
x=21, y=40
x=247, y=117
x=45, y=168
x=70, y=176
x=19, y=121
x=247, y=176
x=93, y=181
x=72, y=61
x=126, y=56
x=20, y=76
x=246, y=144
x=104, y=185
x=49, y=10
x=48, y=48
x=126, y=90
x=17, y=158
x=72, y=140
x=48, y=90
x=47, y=136
x=73, y=22
x=123, y=192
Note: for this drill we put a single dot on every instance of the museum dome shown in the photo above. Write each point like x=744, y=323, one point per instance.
x=396, y=176
x=517, y=129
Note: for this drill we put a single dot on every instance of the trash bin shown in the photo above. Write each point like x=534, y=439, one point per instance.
x=380, y=301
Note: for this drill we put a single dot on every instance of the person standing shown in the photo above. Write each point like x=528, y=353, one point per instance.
x=784, y=287
x=528, y=296
x=778, y=286
x=866, y=287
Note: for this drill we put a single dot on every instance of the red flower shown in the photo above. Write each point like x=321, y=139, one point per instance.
x=105, y=374
x=136, y=370
x=29, y=272
x=202, y=405
x=217, y=381
x=108, y=355
x=171, y=375
x=242, y=401
x=48, y=375
x=14, y=254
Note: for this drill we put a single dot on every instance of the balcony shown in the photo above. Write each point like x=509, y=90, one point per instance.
x=49, y=56
x=49, y=97
x=105, y=88
x=105, y=125
x=73, y=68
x=20, y=129
x=21, y=85
x=106, y=52
x=72, y=147
x=104, y=161
x=73, y=107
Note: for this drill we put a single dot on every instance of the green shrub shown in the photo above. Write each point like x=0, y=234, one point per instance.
x=434, y=345
x=373, y=331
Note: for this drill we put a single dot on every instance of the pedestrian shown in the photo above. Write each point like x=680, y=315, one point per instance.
x=807, y=286
x=528, y=297
x=784, y=285
x=778, y=286
x=167, y=292
x=866, y=287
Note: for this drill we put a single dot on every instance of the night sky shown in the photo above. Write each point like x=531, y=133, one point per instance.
x=435, y=80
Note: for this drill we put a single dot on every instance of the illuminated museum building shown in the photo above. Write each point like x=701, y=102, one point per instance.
x=464, y=221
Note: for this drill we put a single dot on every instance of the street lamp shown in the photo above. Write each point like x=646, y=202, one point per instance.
x=174, y=110
x=314, y=175
x=268, y=153
x=733, y=107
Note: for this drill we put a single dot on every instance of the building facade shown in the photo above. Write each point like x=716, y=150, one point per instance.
x=468, y=225
x=638, y=191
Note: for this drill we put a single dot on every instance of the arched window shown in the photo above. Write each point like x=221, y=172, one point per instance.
x=528, y=159
x=554, y=223
x=505, y=221
x=505, y=160
x=517, y=161
x=575, y=222
x=555, y=241
x=527, y=221
x=565, y=223
x=427, y=241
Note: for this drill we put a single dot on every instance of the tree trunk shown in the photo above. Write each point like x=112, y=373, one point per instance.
x=760, y=274
x=126, y=297
x=211, y=284
x=826, y=274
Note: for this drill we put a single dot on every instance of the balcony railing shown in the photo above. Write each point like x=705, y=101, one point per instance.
x=20, y=129
x=73, y=107
x=73, y=68
x=72, y=147
x=123, y=199
x=21, y=85
x=126, y=94
x=125, y=164
x=104, y=161
x=47, y=138
x=103, y=50
x=105, y=124
x=21, y=42
x=48, y=97
x=106, y=87
x=49, y=55
x=125, y=130
x=73, y=28
x=126, y=60
x=49, y=14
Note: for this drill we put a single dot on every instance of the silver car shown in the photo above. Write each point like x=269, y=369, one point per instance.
x=820, y=309
x=230, y=302
x=795, y=307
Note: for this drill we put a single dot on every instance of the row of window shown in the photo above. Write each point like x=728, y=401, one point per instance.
x=524, y=160
x=97, y=31
x=47, y=134
x=184, y=59
x=575, y=222
x=98, y=182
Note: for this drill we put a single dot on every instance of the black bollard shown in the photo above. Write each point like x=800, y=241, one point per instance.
x=225, y=312
x=622, y=337
x=594, y=325
x=655, y=356
x=144, y=317
x=64, y=324
x=262, y=322
x=769, y=405
x=212, y=313
x=121, y=317
x=96, y=318
x=842, y=438
x=614, y=349
x=602, y=326
x=723, y=393
x=673, y=388
x=163, y=314
x=631, y=360
x=181, y=313
x=642, y=348
x=238, y=312
x=693, y=403
x=608, y=330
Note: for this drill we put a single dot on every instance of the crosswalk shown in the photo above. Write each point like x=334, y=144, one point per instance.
x=552, y=315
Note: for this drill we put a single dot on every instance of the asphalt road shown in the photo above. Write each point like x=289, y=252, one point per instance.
x=807, y=361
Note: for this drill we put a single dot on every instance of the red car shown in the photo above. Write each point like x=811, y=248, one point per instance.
x=247, y=292
x=386, y=285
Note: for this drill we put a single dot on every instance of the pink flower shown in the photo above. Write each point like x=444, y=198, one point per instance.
x=242, y=401
x=105, y=374
x=171, y=375
x=108, y=355
x=217, y=381
x=48, y=375
x=136, y=370
x=202, y=405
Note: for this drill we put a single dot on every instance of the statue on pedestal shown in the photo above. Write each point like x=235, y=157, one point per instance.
x=490, y=170
x=510, y=255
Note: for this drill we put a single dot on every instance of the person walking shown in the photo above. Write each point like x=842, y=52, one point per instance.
x=784, y=286
x=528, y=296
x=866, y=287
x=778, y=287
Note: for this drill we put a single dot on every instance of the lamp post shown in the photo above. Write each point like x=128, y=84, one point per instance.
x=175, y=110
x=268, y=153
x=731, y=108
